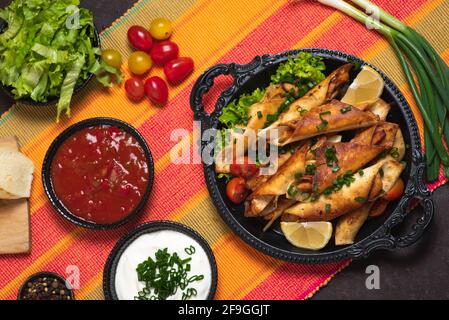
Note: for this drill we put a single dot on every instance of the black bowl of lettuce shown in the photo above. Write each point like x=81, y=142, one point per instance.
x=58, y=57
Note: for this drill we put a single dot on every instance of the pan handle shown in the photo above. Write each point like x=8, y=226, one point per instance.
x=418, y=191
x=240, y=73
x=384, y=239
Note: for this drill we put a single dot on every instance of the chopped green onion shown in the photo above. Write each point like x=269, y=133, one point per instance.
x=164, y=274
x=310, y=169
x=324, y=122
x=302, y=111
x=299, y=175
x=292, y=191
x=424, y=68
x=345, y=109
x=331, y=156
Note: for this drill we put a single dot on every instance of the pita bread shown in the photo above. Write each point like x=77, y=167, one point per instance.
x=16, y=175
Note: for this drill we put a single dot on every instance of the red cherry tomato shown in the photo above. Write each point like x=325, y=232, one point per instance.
x=236, y=190
x=396, y=191
x=243, y=168
x=157, y=90
x=134, y=89
x=178, y=69
x=140, y=38
x=163, y=52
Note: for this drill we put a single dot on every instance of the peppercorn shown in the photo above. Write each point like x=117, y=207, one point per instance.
x=45, y=288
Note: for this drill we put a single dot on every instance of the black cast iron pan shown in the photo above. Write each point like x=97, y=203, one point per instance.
x=377, y=233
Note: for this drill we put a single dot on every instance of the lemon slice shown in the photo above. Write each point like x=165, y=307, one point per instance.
x=367, y=87
x=307, y=235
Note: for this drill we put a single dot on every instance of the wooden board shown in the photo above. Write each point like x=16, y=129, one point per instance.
x=14, y=216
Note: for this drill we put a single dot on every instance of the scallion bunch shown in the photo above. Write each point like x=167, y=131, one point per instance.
x=426, y=73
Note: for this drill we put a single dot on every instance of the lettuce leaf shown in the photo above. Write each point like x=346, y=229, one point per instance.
x=68, y=86
x=236, y=112
x=105, y=74
x=304, y=68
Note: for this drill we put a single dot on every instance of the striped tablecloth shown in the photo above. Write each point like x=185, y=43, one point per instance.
x=210, y=31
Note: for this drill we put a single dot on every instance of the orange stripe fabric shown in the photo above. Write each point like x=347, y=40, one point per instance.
x=210, y=32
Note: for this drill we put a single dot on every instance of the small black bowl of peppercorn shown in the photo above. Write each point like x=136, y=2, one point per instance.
x=45, y=286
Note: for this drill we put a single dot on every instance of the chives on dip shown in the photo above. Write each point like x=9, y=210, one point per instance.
x=166, y=274
x=163, y=265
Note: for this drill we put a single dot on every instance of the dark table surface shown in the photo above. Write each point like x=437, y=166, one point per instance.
x=420, y=272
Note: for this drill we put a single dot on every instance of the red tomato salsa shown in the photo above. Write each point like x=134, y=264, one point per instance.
x=100, y=174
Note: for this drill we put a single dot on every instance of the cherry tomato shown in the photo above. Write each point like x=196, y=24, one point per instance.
x=178, y=69
x=243, y=168
x=112, y=58
x=140, y=38
x=396, y=191
x=139, y=62
x=157, y=90
x=236, y=190
x=379, y=207
x=161, y=29
x=164, y=51
x=134, y=89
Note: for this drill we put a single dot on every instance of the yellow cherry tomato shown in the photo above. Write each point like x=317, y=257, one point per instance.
x=112, y=58
x=139, y=62
x=161, y=29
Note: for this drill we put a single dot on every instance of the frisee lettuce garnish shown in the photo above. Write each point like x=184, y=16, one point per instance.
x=44, y=56
x=305, y=68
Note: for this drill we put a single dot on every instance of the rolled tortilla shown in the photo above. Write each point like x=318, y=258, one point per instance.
x=319, y=95
x=398, y=146
x=349, y=225
x=349, y=198
x=351, y=157
x=274, y=96
x=381, y=134
x=272, y=99
x=283, y=204
x=277, y=185
x=256, y=181
x=378, y=106
x=329, y=118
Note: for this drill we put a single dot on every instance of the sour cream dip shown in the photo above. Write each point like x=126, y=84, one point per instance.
x=127, y=284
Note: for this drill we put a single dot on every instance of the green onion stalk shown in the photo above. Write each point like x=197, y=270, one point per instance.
x=426, y=72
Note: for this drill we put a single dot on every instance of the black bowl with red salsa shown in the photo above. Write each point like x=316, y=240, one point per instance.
x=98, y=173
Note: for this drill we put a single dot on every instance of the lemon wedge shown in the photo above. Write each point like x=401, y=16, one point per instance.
x=367, y=87
x=307, y=235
